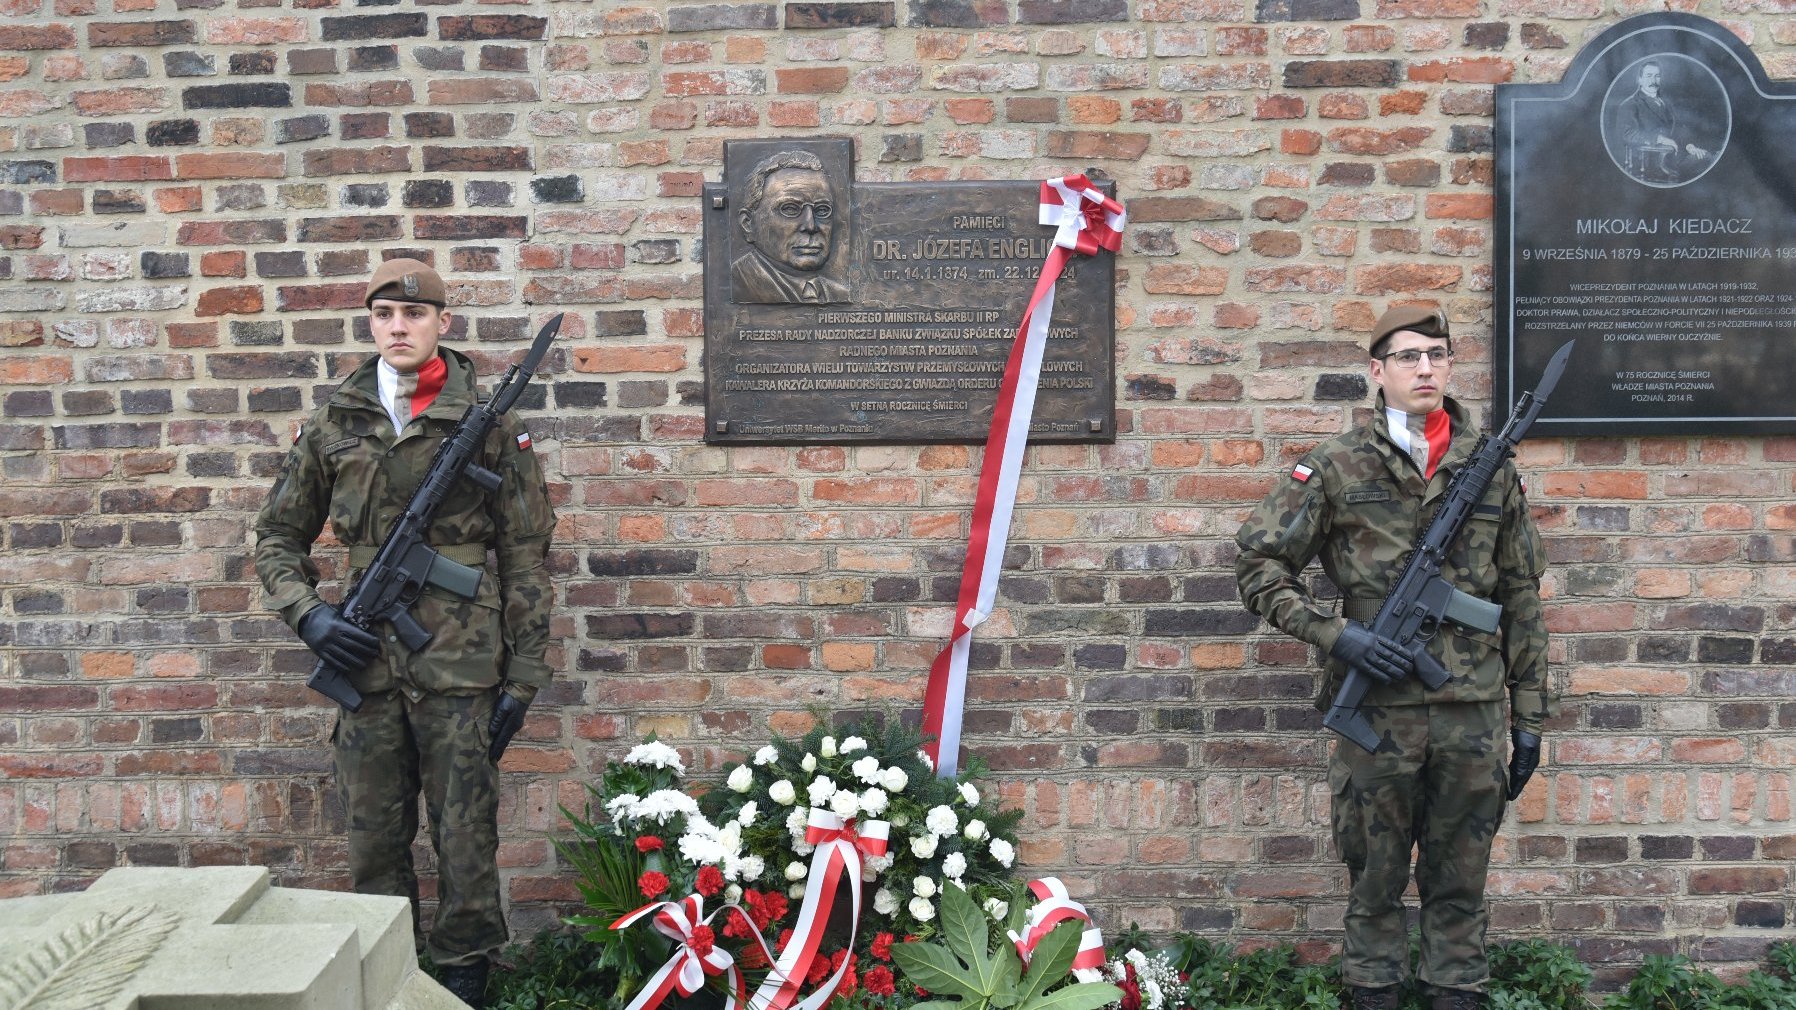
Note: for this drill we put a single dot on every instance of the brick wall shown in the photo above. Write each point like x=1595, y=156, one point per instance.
x=191, y=192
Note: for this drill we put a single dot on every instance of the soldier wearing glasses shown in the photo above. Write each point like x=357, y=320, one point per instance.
x=1438, y=779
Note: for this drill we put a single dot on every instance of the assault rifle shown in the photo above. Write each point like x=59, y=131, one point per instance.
x=1412, y=614
x=405, y=563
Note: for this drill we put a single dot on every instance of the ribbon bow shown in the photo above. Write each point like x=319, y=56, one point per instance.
x=835, y=864
x=825, y=827
x=1087, y=219
x=694, y=957
x=1054, y=906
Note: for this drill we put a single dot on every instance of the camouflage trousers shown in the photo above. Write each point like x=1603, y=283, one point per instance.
x=386, y=755
x=1438, y=783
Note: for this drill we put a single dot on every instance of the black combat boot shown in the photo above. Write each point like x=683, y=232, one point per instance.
x=1385, y=997
x=467, y=982
x=1456, y=999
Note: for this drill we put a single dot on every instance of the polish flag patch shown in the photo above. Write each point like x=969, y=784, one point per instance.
x=524, y=441
x=1301, y=473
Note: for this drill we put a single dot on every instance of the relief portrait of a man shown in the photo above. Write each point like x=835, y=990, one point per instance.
x=788, y=219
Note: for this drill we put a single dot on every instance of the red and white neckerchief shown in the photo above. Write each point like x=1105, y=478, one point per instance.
x=1436, y=434
x=1087, y=222
x=405, y=395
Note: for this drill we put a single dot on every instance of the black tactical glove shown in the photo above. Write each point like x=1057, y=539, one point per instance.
x=1524, y=757
x=1379, y=658
x=508, y=718
x=339, y=643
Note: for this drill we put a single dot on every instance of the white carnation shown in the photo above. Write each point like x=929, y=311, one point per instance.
x=894, y=779
x=655, y=755
x=885, y=902
x=733, y=892
x=969, y=794
x=997, y=909
x=976, y=830
x=922, y=846
x=852, y=744
x=921, y=910
x=821, y=789
x=941, y=821
x=767, y=755
x=795, y=870
x=664, y=805
x=923, y=887
x=873, y=802
x=954, y=865
x=795, y=892
x=808, y=762
x=845, y=804
x=796, y=821
x=1003, y=852
x=746, y=816
x=752, y=867
x=866, y=769
x=742, y=779
x=783, y=793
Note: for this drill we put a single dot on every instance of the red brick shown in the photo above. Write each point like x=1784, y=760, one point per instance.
x=243, y=300
x=128, y=168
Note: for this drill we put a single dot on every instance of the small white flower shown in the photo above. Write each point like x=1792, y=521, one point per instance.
x=767, y=755
x=954, y=865
x=873, y=802
x=976, y=830
x=752, y=867
x=1003, y=852
x=885, y=902
x=845, y=804
x=922, y=846
x=808, y=762
x=828, y=747
x=866, y=769
x=655, y=755
x=969, y=794
x=923, y=887
x=852, y=744
x=894, y=779
x=795, y=870
x=783, y=793
x=821, y=789
x=997, y=909
x=733, y=892
x=746, y=816
x=795, y=892
x=742, y=779
x=942, y=821
x=921, y=910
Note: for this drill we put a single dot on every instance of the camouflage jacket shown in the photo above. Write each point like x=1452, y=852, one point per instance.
x=1361, y=508
x=347, y=466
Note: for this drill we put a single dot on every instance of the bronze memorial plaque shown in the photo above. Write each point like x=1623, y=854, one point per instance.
x=838, y=311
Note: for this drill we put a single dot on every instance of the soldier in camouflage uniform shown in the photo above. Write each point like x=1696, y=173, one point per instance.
x=1360, y=501
x=435, y=721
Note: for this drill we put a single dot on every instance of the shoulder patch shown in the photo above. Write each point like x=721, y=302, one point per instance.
x=524, y=441
x=1301, y=473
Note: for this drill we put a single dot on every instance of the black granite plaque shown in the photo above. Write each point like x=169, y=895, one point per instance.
x=838, y=311
x=1646, y=206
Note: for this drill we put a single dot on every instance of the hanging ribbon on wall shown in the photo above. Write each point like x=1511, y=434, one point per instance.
x=1087, y=222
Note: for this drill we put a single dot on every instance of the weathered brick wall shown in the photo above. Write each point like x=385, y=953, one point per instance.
x=191, y=192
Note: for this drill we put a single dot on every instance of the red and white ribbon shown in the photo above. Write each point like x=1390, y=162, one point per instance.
x=837, y=860
x=1053, y=907
x=692, y=961
x=1087, y=221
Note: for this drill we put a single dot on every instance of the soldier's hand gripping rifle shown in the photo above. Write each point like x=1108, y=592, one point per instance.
x=392, y=582
x=1422, y=598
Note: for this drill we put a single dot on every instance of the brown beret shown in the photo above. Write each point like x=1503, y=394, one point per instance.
x=1427, y=322
x=404, y=280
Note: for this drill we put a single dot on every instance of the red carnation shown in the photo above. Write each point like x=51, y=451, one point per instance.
x=846, y=986
x=652, y=883
x=648, y=843
x=710, y=881
x=785, y=937
x=702, y=940
x=882, y=948
x=736, y=924
x=879, y=982
x=819, y=970
x=751, y=957
x=768, y=908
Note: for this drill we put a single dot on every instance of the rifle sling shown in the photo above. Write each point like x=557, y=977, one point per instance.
x=473, y=555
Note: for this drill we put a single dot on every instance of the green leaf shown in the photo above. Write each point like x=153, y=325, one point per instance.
x=967, y=931
x=1079, y=996
x=937, y=970
x=1052, y=959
